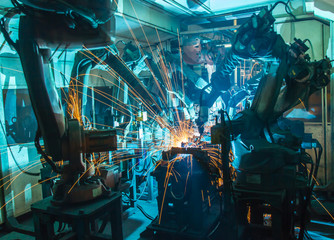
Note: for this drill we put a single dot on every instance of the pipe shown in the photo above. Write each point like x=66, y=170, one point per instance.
x=331, y=163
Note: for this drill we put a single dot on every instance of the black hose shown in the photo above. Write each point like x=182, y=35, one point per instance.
x=287, y=8
x=145, y=213
x=46, y=157
x=140, y=208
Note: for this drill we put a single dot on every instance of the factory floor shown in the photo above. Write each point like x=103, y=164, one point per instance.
x=133, y=225
x=136, y=223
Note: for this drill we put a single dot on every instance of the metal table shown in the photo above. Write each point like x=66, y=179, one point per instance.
x=82, y=217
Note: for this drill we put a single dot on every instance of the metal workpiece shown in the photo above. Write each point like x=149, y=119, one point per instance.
x=100, y=140
x=78, y=141
x=198, y=153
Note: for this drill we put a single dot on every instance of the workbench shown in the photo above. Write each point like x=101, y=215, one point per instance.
x=83, y=218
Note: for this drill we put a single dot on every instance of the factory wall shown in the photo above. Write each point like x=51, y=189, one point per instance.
x=20, y=189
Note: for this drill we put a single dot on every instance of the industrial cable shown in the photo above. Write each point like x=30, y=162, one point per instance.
x=214, y=230
x=287, y=8
x=17, y=5
x=275, y=5
x=145, y=213
x=44, y=155
x=11, y=152
x=141, y=194
x=174, y=196
x=139, y=207
x=311, y=45
x=22, y=8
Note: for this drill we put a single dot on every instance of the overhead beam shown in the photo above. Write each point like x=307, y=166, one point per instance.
x=209, y=30
x=148, y=16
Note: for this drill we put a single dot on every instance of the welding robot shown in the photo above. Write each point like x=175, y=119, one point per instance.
x=57, y=24
x=72, y=24
x=271, y=192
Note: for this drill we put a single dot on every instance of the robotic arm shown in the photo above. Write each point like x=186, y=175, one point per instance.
x=258, y=151
x=62, y=24
x=293, y=79
x=69, y=24
x=256, y=39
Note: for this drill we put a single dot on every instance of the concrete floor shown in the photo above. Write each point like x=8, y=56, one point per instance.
x=132, y=226
x=137, y=222
x=320, y=230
